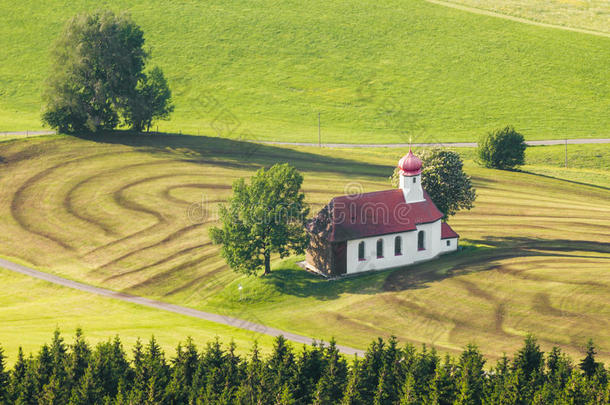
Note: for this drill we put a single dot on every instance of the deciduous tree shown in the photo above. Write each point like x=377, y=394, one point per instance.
x=264, y=217
x=443, y=177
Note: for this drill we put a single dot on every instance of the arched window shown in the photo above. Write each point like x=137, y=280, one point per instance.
x=420, y=241
x=379, y=248
x=361, y=251
x=397, y=246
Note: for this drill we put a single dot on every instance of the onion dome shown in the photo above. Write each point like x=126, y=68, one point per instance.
x=410, y=165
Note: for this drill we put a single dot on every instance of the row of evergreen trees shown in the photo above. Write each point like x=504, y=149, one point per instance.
x=77, y=373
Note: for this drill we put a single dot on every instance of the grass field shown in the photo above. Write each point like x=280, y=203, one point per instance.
x=132, y=214
x=588, y=14
x=32, y=309
x=376, y=73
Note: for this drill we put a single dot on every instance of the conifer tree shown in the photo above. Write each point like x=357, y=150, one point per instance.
x=78, y=359
x=279, y=365
x=471, y=376
x=43, y=368
x=444, y=389
x=309, y=367
x=254, y=387
x=17, y=377
x=4, y=378
x=392, y=372
x=410, y=394
x=184, y=366
x=156, y=372
x=588, y=365
x=331, y=385
x=353, y=394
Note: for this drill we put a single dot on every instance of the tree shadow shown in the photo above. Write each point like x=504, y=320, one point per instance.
x=303, y=284
x=286, y=279
x=580, y=183
x=235, y=153
x=474, y=260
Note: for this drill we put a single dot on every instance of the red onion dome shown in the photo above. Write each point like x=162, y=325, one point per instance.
x=410, y=165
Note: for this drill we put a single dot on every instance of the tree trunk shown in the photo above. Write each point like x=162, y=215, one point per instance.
x=267, y=263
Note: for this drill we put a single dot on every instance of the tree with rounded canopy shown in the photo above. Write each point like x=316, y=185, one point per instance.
x=98, y=80
x=264, y=217
x=444, y=179
x=502, y=149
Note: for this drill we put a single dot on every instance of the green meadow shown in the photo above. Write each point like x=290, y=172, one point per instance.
x=32, y=309
x=375, y=72
x=132, y=213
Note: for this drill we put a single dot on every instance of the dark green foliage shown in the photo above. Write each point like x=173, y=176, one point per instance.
x=264, y=217
x=98, y=77
x=444, y=179
x=317, y=374
x=502, y=149
x=588, y=365
x=4, y=378
x=152, y=101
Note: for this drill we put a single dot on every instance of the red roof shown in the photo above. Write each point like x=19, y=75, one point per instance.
x=447, y=232
x=371, y=214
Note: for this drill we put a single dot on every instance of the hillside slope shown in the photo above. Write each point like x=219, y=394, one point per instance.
x=132, y=214
x=377, y=72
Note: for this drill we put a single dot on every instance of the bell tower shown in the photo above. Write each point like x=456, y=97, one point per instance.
x=410, y=177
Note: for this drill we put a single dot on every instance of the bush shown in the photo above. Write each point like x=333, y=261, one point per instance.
x=502, y=149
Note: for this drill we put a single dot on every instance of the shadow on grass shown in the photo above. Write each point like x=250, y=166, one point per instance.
x=235, y=153
x=473, y=260
x=580, y=183
x=482, y=255
x=300, y=283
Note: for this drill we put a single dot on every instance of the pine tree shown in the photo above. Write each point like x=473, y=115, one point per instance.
x=530, y=359
x=444, y=388
x=89, y=390
x=78, y=359
x=576, y=390
x=353, y=390
x=44, y=368
x=410, y=394
x=30, y=389
x=471, y=376
x=280, y=365
x=372, y=365
x=588, y=365
x=138, y=378
x=309, y=368
x=17, y=379
x=4, y=378
x=184, y=366
x=58, y=388
x=331, y=385
x=254, y=387
x=156, y=372
x=392, y=372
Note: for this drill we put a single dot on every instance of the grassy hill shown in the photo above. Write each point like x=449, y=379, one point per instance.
x=377, y=72
x=132, y=214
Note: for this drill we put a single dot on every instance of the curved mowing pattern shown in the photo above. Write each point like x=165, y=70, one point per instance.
x=122, y=217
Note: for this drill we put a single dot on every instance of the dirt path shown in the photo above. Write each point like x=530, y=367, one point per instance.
x=517, y=19
x=164, y=306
